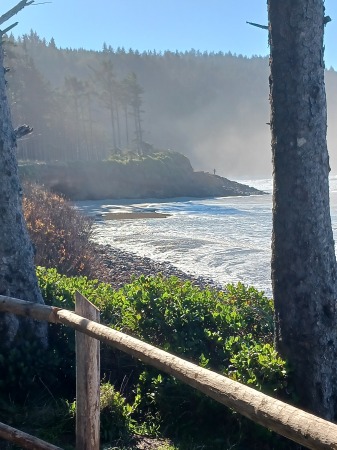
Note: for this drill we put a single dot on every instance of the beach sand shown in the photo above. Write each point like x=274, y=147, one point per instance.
x=138, y=215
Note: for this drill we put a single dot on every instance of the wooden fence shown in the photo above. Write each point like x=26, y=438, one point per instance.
x=299, y=426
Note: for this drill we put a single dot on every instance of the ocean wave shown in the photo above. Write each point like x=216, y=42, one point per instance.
x=224, y=239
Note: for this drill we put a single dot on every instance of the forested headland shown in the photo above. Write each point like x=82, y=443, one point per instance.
x=158, y=175
x=89, y=105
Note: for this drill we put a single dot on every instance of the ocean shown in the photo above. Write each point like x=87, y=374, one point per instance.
x=225, y=239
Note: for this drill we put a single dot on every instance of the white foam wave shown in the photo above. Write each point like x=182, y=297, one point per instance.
x=225, y=239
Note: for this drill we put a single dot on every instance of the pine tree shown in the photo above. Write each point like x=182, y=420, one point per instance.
x=17, y=270
x=303, y=256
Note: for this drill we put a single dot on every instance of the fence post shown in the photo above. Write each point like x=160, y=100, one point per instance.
x=87, y=380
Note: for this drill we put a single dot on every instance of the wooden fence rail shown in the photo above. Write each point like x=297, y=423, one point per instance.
x=23, y=439
x=299, y=426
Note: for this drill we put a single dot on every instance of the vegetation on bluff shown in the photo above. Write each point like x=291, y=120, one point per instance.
x=61, y=236
x=160, y=175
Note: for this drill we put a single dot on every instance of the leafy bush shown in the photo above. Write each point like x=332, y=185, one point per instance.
x=209, y=327
x=26, y=367
x=116, y=421
x=61, y=235
x=229, y=332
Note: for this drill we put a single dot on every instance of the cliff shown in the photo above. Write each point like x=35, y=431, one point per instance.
x=160, y=175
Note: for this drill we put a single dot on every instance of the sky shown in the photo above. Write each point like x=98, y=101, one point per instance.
x=205, y=25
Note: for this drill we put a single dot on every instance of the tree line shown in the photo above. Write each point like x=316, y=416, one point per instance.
x=69, y=119
x=86, y=104
x=212, y=107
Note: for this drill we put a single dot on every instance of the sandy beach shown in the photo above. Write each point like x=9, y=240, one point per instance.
x=138, y=215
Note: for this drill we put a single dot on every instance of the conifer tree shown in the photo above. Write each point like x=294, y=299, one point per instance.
x=17, y=270
x=304, y=271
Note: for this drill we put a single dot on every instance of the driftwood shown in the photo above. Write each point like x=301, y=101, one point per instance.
x=24, y=440
x=299, y=426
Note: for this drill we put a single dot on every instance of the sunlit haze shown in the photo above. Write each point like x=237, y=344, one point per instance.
x=219, y=119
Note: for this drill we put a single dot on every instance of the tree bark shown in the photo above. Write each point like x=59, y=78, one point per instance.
x=17, y=270
x=303, y=254
x=87, y=380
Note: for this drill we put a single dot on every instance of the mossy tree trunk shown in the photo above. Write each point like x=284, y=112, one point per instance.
x=17, y=270
x=303, y=254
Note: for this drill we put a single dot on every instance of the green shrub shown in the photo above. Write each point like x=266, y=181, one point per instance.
x=25, y=368
x=214, y=329
x=249, y=355
x=230, y=332
x=116, y=416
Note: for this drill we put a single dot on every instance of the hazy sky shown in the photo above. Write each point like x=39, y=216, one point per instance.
x=211, y=25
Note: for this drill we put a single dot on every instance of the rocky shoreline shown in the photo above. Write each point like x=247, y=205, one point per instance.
x=121, y=267
x=159, y=175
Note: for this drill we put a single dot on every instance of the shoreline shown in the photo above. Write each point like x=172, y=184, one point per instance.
x=121, y=266
x=134, y=215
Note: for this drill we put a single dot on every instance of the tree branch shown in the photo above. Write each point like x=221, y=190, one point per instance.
x=9, y=28
x=327, y=19
x=264, y=27
x=15, y=10
x=22, y=131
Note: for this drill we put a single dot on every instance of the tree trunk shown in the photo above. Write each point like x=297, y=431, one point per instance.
x=17, y=270
x=126, y=126
x=112, y=118
x=303, y=255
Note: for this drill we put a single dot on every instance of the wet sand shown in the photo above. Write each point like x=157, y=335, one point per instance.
x=138, y=215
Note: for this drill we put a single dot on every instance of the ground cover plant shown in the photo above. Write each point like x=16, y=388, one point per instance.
x=227, y=331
